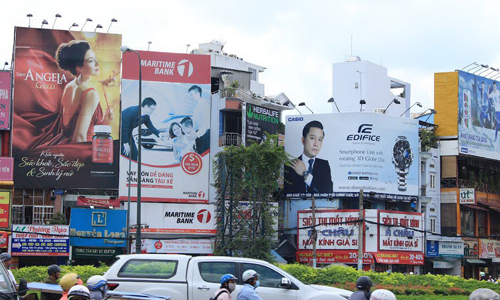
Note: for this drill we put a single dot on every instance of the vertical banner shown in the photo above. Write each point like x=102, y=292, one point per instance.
x=67, y=109
x=5, y=209
x=175, y=127
x=259, y=122
x=6, y=168
x=5, y=79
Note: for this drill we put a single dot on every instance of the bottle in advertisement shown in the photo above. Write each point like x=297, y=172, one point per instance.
x=102, y=145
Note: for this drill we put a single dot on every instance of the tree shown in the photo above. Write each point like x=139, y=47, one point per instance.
x=245, y=179
x=58, y=219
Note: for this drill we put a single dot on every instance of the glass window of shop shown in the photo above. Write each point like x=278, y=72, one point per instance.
x=481, y=223
x=468, y=221
x=32, y=207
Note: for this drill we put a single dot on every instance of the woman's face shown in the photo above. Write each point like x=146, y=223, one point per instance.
x=90, y=64
x=177, y=130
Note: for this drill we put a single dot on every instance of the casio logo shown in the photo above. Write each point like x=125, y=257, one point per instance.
x=295, y=119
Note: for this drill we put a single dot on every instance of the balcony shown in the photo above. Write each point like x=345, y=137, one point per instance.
x=229, y=139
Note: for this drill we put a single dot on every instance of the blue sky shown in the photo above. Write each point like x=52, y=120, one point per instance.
x=297, y=41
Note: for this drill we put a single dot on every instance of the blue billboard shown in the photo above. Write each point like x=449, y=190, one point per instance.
x=98, y=227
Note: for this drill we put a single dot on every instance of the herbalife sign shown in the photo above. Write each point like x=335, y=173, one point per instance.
x=260, y=121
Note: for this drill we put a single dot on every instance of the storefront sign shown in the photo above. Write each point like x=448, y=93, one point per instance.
x=467, y=196
x=176, y=218
x=98, y=227
x=489, y=249
x=334, y=231
x=403, y=231
x=185, y=246
x=441, y=264
x=471, y=249
x=333, y=256
x=451, y=249
x=84, y=201
x=91, y=252
x=432, y=249
x=40, y=240
x=260, y=121
x=4, y=239
x=6, y=168
x=400, y=258
x=5, y=209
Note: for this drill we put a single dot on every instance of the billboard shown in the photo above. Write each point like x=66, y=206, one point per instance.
x=188, y=246
x=5, y=209
x=192, y=219
x=98, y=227
x=175, y=127
x=6, y=168
x=5, y=79
x=401, y=231
x=258, y=121
x=40, y=240
x=337, y=155
x=478, y=116
x=66, y=114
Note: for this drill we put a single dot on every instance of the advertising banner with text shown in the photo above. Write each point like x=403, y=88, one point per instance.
x=5, y=209
x=5, y=98
x=40, y=240
x=6, y=169
x=260, y=120
x=66, y=109
x=185, y=246
x=175, y=127
x=402, y=231
x=478, y=116
x=337, y=155
x=333, y=256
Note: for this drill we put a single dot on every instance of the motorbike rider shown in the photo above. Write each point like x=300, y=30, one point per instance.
x=364, y=285
x=54, y=272
x=98, y=286
x=251, y=279
x=227, y=286
x=78, y=292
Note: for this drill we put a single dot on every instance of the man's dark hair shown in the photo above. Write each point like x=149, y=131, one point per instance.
x=148, y=101
x=195, y=88
x=312, y=124
x=187, y=121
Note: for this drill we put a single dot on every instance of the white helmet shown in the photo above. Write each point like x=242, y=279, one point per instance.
x=249, y=274
x=382, y=294
x=483, y=294
x=78, y=291
x=95, y=282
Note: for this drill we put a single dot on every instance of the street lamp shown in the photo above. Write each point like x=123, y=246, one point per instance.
x=57, y=16
x=29, y=19
x=187, y=47
x=98, y=26
x=149, y=44
x=73, y=25
x=112, y=21
x=393, y=101
x=87, y=20
x=44, y=22
x=290, y=102
x=361, y=102
x=304, y=104
x=331, y=100
x=125, y=49
x=5, y=64
x=416, y=103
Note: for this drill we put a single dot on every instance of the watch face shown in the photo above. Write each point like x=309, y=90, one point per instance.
x=402, y=154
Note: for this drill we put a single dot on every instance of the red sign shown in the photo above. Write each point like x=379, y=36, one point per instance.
x=6, y=166
x=400, y=258
x=84, y=201
x=4, y=239
x=333, y=256
x=5, y=100
x=178, y=67
x=4, y=209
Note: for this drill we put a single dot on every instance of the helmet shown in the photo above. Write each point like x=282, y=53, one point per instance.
x=79, y=291
x=482, y=274
x=53, y=269
x=95, y=282
x=381, y=294
x=249, y=274
x=68, y=281
x=363, y=282
x=224, y=278
x=5, y=256
x=481, y=294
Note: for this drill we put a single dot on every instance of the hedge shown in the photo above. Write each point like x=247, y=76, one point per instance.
x=39, y=274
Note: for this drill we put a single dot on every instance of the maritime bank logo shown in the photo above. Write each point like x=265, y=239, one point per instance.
x=185, y=68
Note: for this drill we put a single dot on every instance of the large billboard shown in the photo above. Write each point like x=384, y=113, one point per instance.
x=175, y=127
x=337, y=155
x=5, y=79
x=401, y=231
x=98, y=227
x=40, y=240
x=478, y=116
x=260, y=121
x=67, y=109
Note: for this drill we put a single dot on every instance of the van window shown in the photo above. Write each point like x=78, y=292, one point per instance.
x=148, y=268
x=268, y=277
x=213, y=271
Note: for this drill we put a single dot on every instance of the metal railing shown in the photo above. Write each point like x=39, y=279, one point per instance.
x=229, y=139
x=463, y=183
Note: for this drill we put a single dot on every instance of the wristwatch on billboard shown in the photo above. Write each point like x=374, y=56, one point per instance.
x=402, y=158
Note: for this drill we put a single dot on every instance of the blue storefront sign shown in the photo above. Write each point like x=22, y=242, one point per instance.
x=445, y=249
x=98, y=227
x=432, y=249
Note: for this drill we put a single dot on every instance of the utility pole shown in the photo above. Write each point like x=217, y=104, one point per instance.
x=314, y=232
x=360, y=231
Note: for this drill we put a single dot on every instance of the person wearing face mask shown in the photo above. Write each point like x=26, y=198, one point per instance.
x=251, y=279
x=227, y=286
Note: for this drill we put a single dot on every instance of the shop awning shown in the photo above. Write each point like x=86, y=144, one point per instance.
x=475, y=261
x=442, y=264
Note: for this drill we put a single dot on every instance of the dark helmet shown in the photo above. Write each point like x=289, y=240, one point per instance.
x=53, y=269
x=363, y=283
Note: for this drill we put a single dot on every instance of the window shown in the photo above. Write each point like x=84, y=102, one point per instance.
x=32, y=207
x=268, y=277
x=213, y=271
x=433, y=225
x=468, y=221
x=149, y=268
x=432, y=181
x=254, y=74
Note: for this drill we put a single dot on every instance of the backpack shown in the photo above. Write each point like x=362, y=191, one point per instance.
x=217, y=296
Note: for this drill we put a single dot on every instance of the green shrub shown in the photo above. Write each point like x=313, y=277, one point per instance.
x=39, y=274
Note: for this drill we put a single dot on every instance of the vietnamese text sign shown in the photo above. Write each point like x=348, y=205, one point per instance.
x=58, y=138
x=478, y=116
x=93, y=252
x=260, y=120
x=98, y=227
x=186, y=246
x=5, y=209
x=176, y=131
x=471, y=249
x=84, y=201
x=4, y=239
x=6, y=168
x=176, y=218
x=333, y=256
x=337, y=155
x=402, y=231
x=40, y=240
x=5, y=98
x=400, y=258
x=330, y=236
x=432, y=249
x=490, y=249
x=451, y=249
x=467, y=196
